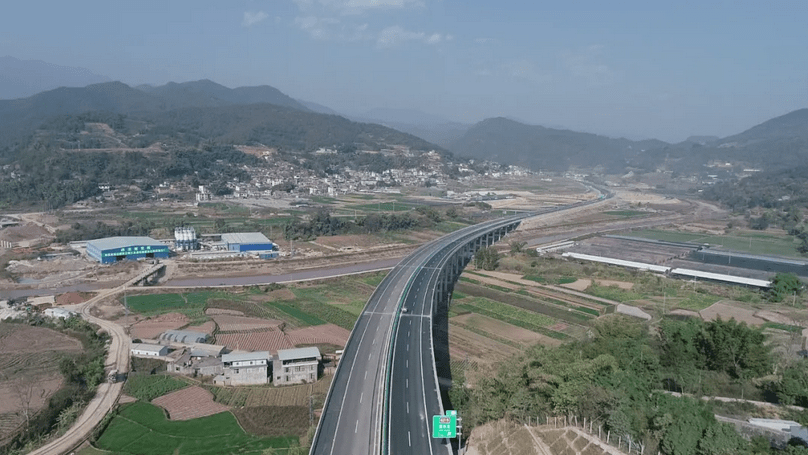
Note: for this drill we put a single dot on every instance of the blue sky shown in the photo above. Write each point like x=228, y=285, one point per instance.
x=620, y=67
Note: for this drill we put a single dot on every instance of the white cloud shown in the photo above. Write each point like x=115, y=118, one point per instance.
x=526, y=69
x=395, y=35
x=333, y=29
x=358, y=6
x=251, y=18
x=586, y=64
x=317, y=27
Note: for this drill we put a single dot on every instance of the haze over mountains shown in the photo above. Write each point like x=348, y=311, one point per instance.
x=242, y=115
x=22, y=78
x=781, y=142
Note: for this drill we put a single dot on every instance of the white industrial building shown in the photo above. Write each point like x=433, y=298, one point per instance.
x=148, y=350
x=296, y=366
x=620, y=262
x=59, y=313
x=698, y=274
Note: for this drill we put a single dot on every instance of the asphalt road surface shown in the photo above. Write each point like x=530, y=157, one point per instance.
x=353, y=421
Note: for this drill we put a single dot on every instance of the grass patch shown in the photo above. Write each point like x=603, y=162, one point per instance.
x=323, y=200
x=625, y=213
x=512, y=315
x=458, y=295
x=612, y=293
x=296, y=313
x=383, y=207
x=529, y=303
x=191, y=305
x=147, y=387
x=488, y=335
x=374, y=279
x=498, y=288
x=536, y=278
x=697, y=302
x=786, y=327
x=141, y=428
x=316, y=313
x=449, y=226
x=566, y=280
x=508, y=313
x=468, y=280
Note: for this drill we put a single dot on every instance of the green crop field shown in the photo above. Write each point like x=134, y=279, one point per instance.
x=296, y=313
x=191, y=304
x=147, y=387
x=382, y=207
x=141, y=428
x=755, y=243
x=625, y=213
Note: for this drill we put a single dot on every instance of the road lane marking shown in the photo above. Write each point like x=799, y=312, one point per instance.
x=356, y=428
x=361, y=396
x=408, y=407
x=409, y=438
x=408, y=382
x=366, y=374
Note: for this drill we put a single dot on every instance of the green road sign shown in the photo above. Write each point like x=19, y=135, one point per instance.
x=444, y=426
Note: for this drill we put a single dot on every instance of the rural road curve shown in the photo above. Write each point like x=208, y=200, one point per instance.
x=107, y=394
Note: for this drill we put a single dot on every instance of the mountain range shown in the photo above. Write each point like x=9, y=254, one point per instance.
x=242, y=114
x=265, y=114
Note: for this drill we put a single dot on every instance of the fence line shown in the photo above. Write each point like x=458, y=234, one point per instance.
x=588, y=426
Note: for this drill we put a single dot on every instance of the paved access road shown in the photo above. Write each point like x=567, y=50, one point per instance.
x=107, y=394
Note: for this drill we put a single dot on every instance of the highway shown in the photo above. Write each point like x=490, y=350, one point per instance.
x=363, y=393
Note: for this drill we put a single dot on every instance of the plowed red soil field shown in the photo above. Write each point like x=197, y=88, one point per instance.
x=207, y=327
x=189, y=403
x=29, y=369
x=213, y=311
x=321, y=334
x=269, y=340
x=150, y=328
x=232, y=323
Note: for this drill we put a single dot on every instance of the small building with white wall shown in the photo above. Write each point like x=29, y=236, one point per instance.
x=148, y=350
x=296, y=366
x=246, y=368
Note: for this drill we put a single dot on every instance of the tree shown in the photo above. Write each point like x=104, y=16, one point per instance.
x=487, y=259
x=517, y=247
x=784, y=285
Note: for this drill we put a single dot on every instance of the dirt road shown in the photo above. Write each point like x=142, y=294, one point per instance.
x=107, y=394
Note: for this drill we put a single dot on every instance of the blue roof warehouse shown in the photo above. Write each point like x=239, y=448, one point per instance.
x=247, y=241
x=113, y=249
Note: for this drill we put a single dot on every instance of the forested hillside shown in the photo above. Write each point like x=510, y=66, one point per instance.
x=620, y=380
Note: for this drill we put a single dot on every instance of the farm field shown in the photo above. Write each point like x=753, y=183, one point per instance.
x=29, y=359
x=751, y=242
x=189, y=403
x=151, y=327
x=254, y=396
x=147, y=387
x=142, y=428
